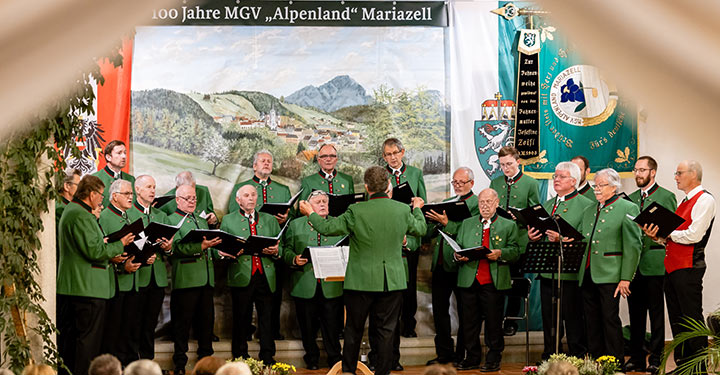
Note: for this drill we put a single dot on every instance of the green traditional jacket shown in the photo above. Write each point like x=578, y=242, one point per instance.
x=341, y=183
x=60, y=205
x=449, y=264
x=522, y=193
x=614, y=243
x=588, y=192
x=571, y=209
x=107, y=176
x=652, y=256
x=273, y=192
x=299, y=235
x=157, y=269
x=191, y=267
x=376, y=228
x=414, y=177
x=503, y=236
x=204, y=201
x=83, y=270
x=112, y=220
x=239, y=272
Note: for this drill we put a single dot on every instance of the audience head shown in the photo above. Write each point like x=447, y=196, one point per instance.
x=105, y=364
x=561, y=368
x=208, y=365
x=41, y=369
x=440, y=370
x=234, y=368
x=143, y=367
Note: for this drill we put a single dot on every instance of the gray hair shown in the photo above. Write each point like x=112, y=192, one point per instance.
x=117, y=185
x=237, y=193
x=234, y=368
x=393, y=142
x=143, y=367
x=470, y=173
x=611, y=175
x=68, y=175
x=105, y=364
x=263, y=151
x=184, y=178
x=571, y=168
x=694, y=166
x=317, y=193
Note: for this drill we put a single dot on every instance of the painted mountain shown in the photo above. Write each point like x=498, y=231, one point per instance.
x=339, y=92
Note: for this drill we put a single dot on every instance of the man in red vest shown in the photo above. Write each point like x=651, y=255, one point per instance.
x=685, y=256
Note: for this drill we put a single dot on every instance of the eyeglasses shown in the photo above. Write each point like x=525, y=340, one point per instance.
x=328, y=156
x=126, y=193
x=641, y=170
x=486, y=202
x=189, y=199
x=316, y=193
x=507, y=165
x=678, y=173
x=600, y=186
x=556, y=176
x=459, y=183
x=394, y=153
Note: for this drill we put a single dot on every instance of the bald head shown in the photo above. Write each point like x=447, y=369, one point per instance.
x=488, y=203
x=184, y=178
x=145, y=189
x=246, y=197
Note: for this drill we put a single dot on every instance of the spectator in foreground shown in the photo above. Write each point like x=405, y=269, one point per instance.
x=105, y=364
x=143, y=367
x=41, y=369
x=234, y=368
x=208, y=365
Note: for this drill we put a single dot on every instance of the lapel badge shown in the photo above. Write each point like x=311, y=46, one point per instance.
x=565, y=210
x=342, y=186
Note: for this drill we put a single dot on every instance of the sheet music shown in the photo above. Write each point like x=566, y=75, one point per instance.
x=140, y=243
x=329, y=261
x=203, y=215
x=450, y=241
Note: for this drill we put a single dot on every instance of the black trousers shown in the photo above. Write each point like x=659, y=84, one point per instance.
x=80, y=323
x=443, y=286
x=602, y=319
x=646, y=296
x=409, y=296
x=373, y=341
x=257, y=292
x=572, y=322
x=319, y=312
x=192, y=307
x=483, y=302
x=280, y=271
x=151, y=300
x=683, y=294
x=383, y=308
x=121, y=335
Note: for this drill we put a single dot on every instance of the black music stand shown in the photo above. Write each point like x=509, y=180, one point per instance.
x=556, y=258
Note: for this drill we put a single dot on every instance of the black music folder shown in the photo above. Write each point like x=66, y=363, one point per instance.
x=135, y=228
x=280, y=208
x=161, y=200
x=255, y=244
x=339, y=203
x=229, y=244
x=537, y=217
x=505, y=213
x=403, y=193
x=155, y=231
x=473, y=253
x=455, y=210
x=624, y=196
x=666, y=220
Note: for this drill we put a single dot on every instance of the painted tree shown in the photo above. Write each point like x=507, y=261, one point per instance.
x=216, y=151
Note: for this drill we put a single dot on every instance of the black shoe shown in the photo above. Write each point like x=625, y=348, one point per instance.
x=278, y=336
x=371, y=367
x=312, y=366
x=510, y=329
x=397, y=367
x=634, y=367
x=438, y=360
x=465, y=365
x=490, y=367
x=409, y=334
x=653, y=369
x=215, y=338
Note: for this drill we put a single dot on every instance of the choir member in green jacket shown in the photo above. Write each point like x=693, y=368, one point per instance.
x=647, y=287
x=83, y=281
x=570, y=205
x=584, y=187
x=393, y=152
x=268, y=191
x=328, y=179
x=193, y=281
x=482, y=281
x=66, y=190
x=609, y=264
x=444, y=272
x=515, y=189
x=115, y=154
x=318, y=303
x=152, y=279
x=375, y=275
x=203, y=207
x=251, y=278
x=122, y=307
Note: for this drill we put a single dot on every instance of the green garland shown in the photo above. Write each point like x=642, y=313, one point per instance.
x=27, y=186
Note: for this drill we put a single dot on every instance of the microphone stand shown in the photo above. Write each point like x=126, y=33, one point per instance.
x=558, y=300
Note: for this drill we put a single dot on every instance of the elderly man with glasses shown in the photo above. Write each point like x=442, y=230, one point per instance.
x=570, y=205
x=328, y=179
x=609, y=264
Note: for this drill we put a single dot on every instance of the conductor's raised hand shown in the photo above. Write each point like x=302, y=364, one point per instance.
x=206, y=244
x=305, y=208
x=442, y=219
x=417, y=202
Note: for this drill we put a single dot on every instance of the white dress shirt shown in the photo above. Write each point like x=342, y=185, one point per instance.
x=702, y=214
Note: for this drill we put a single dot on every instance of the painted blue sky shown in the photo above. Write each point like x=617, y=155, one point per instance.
x=281, y=60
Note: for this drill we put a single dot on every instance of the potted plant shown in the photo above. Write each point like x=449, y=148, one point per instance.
x=709, y=356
